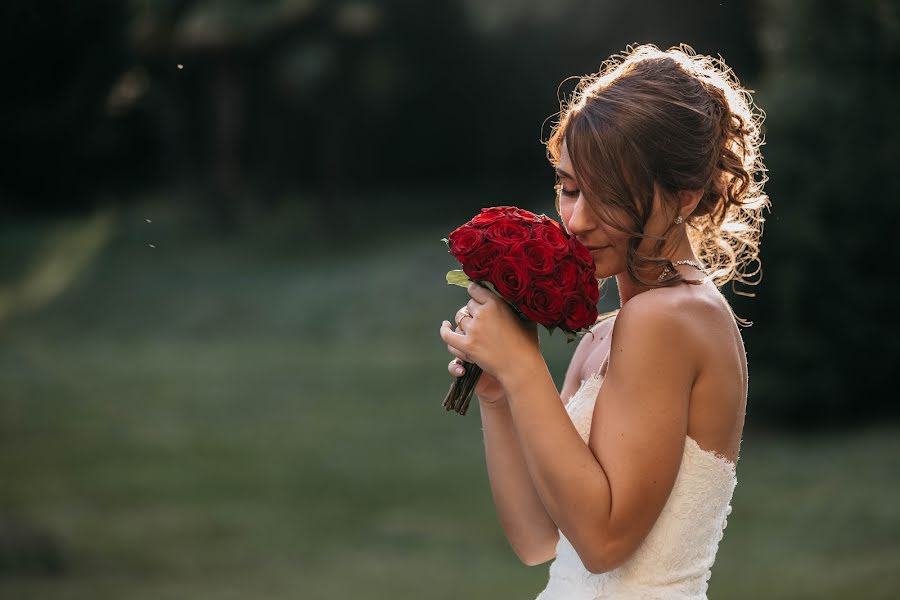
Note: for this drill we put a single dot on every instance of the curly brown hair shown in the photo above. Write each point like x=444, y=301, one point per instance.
x=670, y=121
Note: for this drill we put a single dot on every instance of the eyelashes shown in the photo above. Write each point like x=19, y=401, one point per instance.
x=564, y=192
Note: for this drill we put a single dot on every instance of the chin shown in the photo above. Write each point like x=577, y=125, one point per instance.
x=605, y=271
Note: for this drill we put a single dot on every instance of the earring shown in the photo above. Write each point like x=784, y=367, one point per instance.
x=679, y=220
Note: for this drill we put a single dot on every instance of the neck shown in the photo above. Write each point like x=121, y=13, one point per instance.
x=629, y=288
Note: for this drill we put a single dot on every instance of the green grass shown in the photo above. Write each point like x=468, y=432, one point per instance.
x=239, y=420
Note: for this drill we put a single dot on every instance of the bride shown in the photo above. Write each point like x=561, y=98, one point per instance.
x=625, y=477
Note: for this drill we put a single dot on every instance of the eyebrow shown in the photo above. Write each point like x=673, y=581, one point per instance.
x=564, y=174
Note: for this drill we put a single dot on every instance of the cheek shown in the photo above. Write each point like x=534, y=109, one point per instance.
x=565, y=213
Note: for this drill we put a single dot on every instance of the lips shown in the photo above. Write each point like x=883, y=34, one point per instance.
x=589, y=247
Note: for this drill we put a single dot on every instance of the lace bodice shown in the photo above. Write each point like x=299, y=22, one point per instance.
x=674, y=560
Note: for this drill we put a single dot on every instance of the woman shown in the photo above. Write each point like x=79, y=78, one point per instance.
x=626, y=475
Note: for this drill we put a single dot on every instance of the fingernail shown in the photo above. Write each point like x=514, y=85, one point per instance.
x=458, y=370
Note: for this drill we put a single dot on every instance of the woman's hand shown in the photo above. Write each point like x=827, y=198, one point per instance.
x=494, y=337
x=488, y=389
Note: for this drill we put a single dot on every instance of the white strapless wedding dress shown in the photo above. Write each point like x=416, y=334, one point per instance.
x=674, y=560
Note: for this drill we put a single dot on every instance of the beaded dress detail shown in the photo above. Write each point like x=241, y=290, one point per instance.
x=674, y=560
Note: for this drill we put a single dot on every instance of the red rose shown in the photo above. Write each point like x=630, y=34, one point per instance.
x=555, y=238
x=510, y=277
x=480, y=262
x=490, y=215
x=590, y=286
x=507, y=232
x=567, y=274
x=463, y=240
x=527, y=216
x=578, y=312
x=537, y=255
x=548, y=220
x=580, y=251
x=543, y=302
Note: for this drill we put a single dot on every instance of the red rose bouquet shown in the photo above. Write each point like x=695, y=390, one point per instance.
x=531, y=262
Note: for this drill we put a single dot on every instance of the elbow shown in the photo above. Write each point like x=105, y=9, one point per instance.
x=536, y=557
x=599, y=566
x=533, y=560
x=605, y=558
x=537, y=554
x=609, y=547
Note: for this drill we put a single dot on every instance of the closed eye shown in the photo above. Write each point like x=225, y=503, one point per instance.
x=563, y=191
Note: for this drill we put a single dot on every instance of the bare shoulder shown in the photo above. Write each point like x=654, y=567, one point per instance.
x=657, y=308
x=697, y=332
x=691, y=314
x=677, y=323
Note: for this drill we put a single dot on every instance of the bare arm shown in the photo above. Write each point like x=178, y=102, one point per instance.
x=531, y=532
x=606, y=495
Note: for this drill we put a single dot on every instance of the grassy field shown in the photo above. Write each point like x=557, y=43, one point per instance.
x=211, y=419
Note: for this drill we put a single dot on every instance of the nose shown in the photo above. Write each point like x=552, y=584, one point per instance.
x=582, y=219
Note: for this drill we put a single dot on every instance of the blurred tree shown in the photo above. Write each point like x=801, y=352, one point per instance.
x=314, y=92
x=202, y=56
x=532, y=46
x=328, y=93
x=59, y=60
x=825, y=340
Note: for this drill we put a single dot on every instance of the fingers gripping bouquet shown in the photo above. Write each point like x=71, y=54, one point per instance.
x=532, y=263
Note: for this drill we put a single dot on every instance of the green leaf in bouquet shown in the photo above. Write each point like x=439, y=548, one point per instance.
x=458, y=277
x=490, y=286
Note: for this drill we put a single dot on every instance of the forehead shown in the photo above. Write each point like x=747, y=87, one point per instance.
x=564, y=163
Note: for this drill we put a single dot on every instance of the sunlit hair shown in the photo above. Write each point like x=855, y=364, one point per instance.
x=673, y=121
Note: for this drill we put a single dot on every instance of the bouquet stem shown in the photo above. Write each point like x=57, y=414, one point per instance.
x=460, y=393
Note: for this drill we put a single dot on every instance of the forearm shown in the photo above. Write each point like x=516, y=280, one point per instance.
x=530, y=530
x=566, y=476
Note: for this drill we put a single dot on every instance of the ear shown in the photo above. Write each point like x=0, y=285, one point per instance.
x=688, y=200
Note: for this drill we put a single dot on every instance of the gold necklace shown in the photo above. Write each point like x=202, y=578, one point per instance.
x=692, y=263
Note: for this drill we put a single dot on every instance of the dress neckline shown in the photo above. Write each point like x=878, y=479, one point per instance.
x=718, y=457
